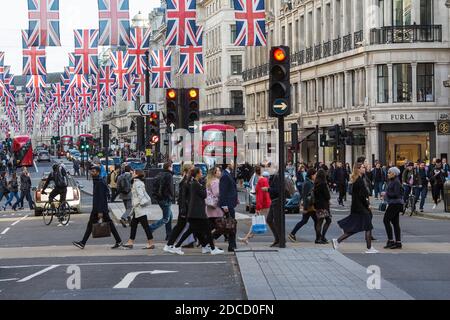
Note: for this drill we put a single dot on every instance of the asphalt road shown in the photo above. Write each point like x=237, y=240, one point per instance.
x=421, y=269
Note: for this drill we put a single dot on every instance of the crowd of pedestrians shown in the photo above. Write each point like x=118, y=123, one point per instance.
x=16, y=189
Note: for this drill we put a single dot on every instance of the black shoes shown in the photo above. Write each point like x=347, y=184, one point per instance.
x=123, y=222
x=231, y=249
x=79, y=245
x=292, y=237
x=389, y=244
x=397, y=245
x=325, y=241
x=117, y=245
x=320, y=242
x=275, y=244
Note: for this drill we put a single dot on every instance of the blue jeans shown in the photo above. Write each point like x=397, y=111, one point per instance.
x=378, y=187
x=166, y=219
x=423, y=195
x=11, y=196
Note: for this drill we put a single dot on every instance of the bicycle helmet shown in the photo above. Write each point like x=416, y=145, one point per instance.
x=55, y=167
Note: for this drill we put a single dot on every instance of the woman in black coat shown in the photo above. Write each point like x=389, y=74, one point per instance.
x=197, y=218
x=322, y=205
x=360, y=218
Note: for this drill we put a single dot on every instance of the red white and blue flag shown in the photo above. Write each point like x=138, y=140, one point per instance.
x=33, y=59
x=129, y=92
x=139, y=82
x=181, y=18
x=43, y=29
x=161, y=68
x=139, y=44
x=57, y=95
x=107, y=82
x=96, y=102
x=114, y=23
x=35, y=87
x=250, y=23
x=86, y=51
x=191, y=57
x=120, y=67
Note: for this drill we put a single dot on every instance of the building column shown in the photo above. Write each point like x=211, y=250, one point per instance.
x=334, y=31
x=355, y=16
x=371, y=85
x=414, y=81
x=372, y=146
x=347, y=89
x=388, y=13
x=391, y=83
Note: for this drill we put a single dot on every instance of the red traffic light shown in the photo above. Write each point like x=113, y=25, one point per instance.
x=279, y=54
x=154, y=116
x=171, y=94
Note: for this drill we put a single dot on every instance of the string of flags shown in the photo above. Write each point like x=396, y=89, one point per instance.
x=85, y=85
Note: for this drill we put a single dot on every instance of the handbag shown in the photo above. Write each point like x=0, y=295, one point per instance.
x=382, y=207
x=101, y=229
x=322, y=214
x=226, y=225
x=211, y=200
x=259, y=225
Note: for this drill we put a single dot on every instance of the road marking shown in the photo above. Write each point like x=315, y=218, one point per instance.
x=39, y=273
x=129, y=278
x=21, y=219
x=12, y=279
x=114, y=264
x=5, y=231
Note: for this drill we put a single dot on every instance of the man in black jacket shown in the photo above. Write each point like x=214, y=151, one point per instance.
x=25, y=190
x=99, y=206
x=165, y=195
x=340, y=179
x=272, y=217
x=59, y=176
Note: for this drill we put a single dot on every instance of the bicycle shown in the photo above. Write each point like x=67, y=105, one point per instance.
x=411, y=203
x=62, y=212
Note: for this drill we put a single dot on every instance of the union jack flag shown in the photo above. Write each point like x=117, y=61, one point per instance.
x=191, y=57
x=114, y=24
x=139, y=82
x=2, y=75
x=129, y=92
x=33, y=59
x=120, y=68
x=161, y=68
x=4, y=126
x=96, y=102
x=139, y=44
x=43, y=27
x=181, y=28
x=57, y=95
x=107, y=82
x=35, y=88
x=30, y=114
x=250, y=23
x=86, y=51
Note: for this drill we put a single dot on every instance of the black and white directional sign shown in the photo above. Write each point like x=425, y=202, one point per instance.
x=146, y=109
x=280, y=107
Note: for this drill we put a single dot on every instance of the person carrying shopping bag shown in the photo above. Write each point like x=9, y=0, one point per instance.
x=263, y=201
x=140, y=201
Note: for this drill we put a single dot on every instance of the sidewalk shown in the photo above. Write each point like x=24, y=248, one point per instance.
x=309, y=274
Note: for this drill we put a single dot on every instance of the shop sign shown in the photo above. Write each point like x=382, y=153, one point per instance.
x=444, y=128
x=402, y=116
x=444, y=116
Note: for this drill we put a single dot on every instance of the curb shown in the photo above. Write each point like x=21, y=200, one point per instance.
x=434, y=216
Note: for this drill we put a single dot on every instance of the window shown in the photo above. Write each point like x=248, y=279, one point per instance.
x=383, y=83
x=233, y=33
x=425, y=82
x=237, y=102
x=283, y=35
x=402, y=82
x=426, y=12
x=401, y=13
x=236, y=65
x=381, y=12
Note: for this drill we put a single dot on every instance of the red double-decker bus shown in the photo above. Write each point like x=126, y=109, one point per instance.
x=23, y=151
x=66, y=143
x=219, y=143
x=86, y=137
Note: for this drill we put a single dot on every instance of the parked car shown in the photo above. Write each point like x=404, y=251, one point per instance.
x=43, y=156
x=37, y=150
x=73, y=196
x=135, y=163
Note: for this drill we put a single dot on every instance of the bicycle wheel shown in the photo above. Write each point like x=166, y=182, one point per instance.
x=64, y=213
x=48, y=213
x=411, y=205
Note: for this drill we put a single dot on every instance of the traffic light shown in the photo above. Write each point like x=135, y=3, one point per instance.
x=323, y=140
x=350, y=139
x=106, y=137
x=334, y=135
x=280, y=82
x=172, y=107
x=155, y=131
x=192, y=102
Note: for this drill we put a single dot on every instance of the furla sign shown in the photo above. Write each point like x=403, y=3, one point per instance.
x=402, y=117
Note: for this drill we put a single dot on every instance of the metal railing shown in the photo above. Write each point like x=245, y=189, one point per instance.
x=359, y=36
x=337, y=45
x=347, y=43
x=327, y=49
x=309, y=55
x=318, y=52
x=406, y=34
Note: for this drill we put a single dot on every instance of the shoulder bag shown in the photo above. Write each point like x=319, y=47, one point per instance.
x=101, y=229
x=226, y=225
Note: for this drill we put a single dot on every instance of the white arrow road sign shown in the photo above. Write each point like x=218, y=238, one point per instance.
x=129, y=278
x=281, y=106
x=147, y=108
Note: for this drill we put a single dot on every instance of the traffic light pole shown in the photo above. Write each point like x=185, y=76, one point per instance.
x=281, y=159
x=147, y=118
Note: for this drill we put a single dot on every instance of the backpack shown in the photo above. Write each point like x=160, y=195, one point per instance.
x=123, y=185
x=60, y=179
x=157, y=188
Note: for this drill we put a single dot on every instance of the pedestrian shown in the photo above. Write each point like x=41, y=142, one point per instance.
x=76, y=167
x=163, y=192
x=183, y=207
x=13, y=187
x=308, y=204
x=4, y=191
x=322, y=207
x=360, y=218
x=411, y=182
x=394, y=198
x=124, y=191
x=340, y=179
x=25, y=190
x=198, y=220
x=263, y=201
x=379, y=179
x=424, y=176
x=228, y=199
x=274, y=190
x=99, y=210
x=437, y=180
x=140, y=201
x=301, y=176
x=113, y=177
x=213, y=211
x=445, y=167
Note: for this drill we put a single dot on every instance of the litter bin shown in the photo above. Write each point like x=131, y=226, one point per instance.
x=447, y=196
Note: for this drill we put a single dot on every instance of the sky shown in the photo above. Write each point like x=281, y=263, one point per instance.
x=73, y=14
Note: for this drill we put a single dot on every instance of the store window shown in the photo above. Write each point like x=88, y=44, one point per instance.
x=425, y=81
x=383, y=83
x=402, y=82
x=401, y=13
x=233, y=33
x=236, y=65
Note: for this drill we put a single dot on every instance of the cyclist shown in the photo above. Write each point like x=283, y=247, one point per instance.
x=412, y=182
x=59, y=177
